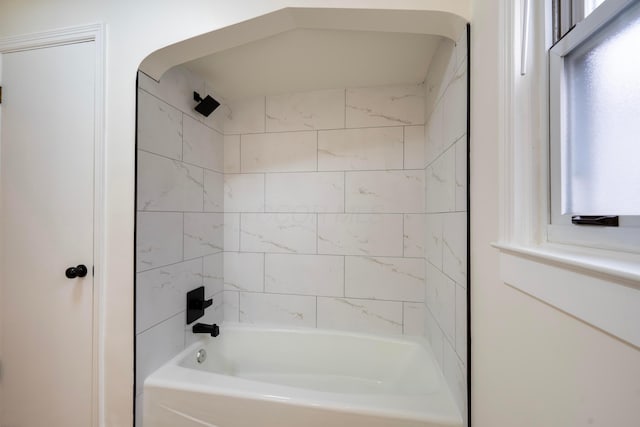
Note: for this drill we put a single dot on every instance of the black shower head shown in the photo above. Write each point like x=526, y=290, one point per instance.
x=205, y=106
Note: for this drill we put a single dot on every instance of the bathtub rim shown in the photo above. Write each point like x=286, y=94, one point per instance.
x=439, y=407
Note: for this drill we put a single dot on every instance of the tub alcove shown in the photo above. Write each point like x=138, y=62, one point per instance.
x=323, y=208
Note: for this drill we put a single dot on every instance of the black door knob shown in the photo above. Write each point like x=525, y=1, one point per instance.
x=79, y=271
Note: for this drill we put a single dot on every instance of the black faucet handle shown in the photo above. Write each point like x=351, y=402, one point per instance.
x=196, y=304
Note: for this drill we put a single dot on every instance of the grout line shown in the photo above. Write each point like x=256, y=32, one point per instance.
x=264, y=272
x=316, y=311
x=317, y=231
x=239, y=232
x=180, y=262
x=313, y=171
x=181, y=312
x=311, y=254
x=179, y=160
x=403, y=318
x=398, y=125
x=324, y=296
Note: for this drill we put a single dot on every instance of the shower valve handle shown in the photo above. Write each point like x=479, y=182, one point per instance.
x=73, y=272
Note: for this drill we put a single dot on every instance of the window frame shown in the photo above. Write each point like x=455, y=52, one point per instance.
x=598, y=286
x=626, y=237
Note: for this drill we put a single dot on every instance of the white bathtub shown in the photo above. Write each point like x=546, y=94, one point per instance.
x=264, y=377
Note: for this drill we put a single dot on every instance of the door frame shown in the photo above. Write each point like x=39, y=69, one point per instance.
x=87, y=33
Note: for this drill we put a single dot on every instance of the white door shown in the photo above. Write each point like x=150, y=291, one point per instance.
x=46, y=185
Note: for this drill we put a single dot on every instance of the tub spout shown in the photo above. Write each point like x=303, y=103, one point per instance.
x=202, y=328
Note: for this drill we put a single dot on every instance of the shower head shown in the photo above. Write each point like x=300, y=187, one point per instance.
x=205, y=106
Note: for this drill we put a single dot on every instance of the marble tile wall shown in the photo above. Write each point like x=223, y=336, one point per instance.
x=324, y=209
x=180, y=216
x=445, y=220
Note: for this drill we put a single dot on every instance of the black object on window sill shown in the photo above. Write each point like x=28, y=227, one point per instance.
x=599, y=220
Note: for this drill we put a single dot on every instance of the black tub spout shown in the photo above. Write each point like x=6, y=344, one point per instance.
x=202, y=328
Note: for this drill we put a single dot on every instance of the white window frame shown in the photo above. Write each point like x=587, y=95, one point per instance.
x=598, y=285
x=626, y=237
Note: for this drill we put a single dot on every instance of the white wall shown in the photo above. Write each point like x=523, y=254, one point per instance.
x=135, y=30
x=323, y=201
x=179, y=239
x=532, y=364
x=445, y=162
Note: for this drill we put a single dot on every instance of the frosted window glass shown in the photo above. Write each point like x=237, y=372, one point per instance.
x=590, y=6
x=601, y=162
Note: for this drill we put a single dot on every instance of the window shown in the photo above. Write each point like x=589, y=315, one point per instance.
x=594, y=114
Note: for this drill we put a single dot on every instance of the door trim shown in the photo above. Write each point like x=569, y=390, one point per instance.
x=86, y=33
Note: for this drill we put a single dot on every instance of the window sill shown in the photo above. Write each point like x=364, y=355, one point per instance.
x=601, y=288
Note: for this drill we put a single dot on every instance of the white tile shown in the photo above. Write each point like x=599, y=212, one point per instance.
x=455, y=106
x=385, y=106
x=385, y=191
x=461, y=174
x=213, y=191
x=304, y=274
x=461, y=48
x=414, y=137
x=159, y=126
x=168, y=185
x=380, y=317
x=360, y=234
x=219, y=116
x=244, y=192
x=439, y=75
x=176, y=87
x=245, y=116
x=160, y=292
x=279, y=233
x=413, y=318
x=232, y=154
x=395, y=279
x=440, y=183
x=279, y=152
x=232, y=232
x=156, y=346
x=455, y=374
x=213, y=274
x=306, y=111
x=158, y=239
x=441, y=300
x=454, y=246
x=360, y=149
x=461, y=322
x=203, y=234
x=435, y=336
x=231, y=304
x=414, y=235
x=434, y=135
x=202, y=146
x=305, y=192
x=292, y=310
x=243, y=271
x=433, y=239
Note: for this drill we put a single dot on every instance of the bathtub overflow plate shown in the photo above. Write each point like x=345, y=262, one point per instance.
x=201, y=355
